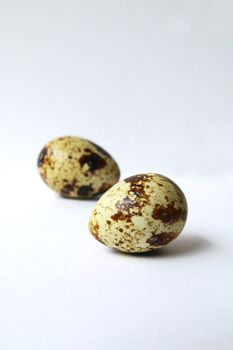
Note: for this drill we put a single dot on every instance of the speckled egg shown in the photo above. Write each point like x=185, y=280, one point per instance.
x=77, y=168
x=141, y=213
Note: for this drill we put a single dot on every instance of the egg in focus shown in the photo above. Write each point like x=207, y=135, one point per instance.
x=77, y=168
x=139, y=214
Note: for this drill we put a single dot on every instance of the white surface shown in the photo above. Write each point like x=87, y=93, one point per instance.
x=152, y=82
x=135, y=74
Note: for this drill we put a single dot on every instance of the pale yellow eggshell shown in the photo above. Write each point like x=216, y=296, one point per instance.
x=77, y=168
x=139, y=214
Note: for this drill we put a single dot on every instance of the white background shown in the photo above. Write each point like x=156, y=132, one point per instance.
x=150, y=81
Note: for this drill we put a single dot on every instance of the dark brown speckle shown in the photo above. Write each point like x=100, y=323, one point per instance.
x=103, y=188
x=125, y=204
x=94, y=228
x=168, y=214
x=161, y=239
x=65, y=191
x=137, y=187
x=121, y=216
x=93, y=160
x=85, y=191
x=124, y=210
x=136, y=178
x=42, y=156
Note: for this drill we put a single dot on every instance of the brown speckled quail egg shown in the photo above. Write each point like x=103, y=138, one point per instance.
x=77, y=168
x=141, y=213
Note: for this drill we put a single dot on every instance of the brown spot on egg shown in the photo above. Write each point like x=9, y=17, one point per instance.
x=94, y=229
x=135, y=178
x=85, y=191
x=120, y=242
x=161, y=238
x=126, y=209
x=167, y=214
x=93, y=160
x=108, y=222
x=42, y=156
x=125, y=204
x=137, y=187
x=121, y=216
x=65, y=191
x=103, y=188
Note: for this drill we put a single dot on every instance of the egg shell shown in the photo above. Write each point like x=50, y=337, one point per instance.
x=77, y=168
x=139, y=214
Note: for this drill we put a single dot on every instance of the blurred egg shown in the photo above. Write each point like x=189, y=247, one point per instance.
x=141, y=213
x=77, y=168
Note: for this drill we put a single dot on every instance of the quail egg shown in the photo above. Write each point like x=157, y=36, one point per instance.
x=139, y=214
x=77, y=168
